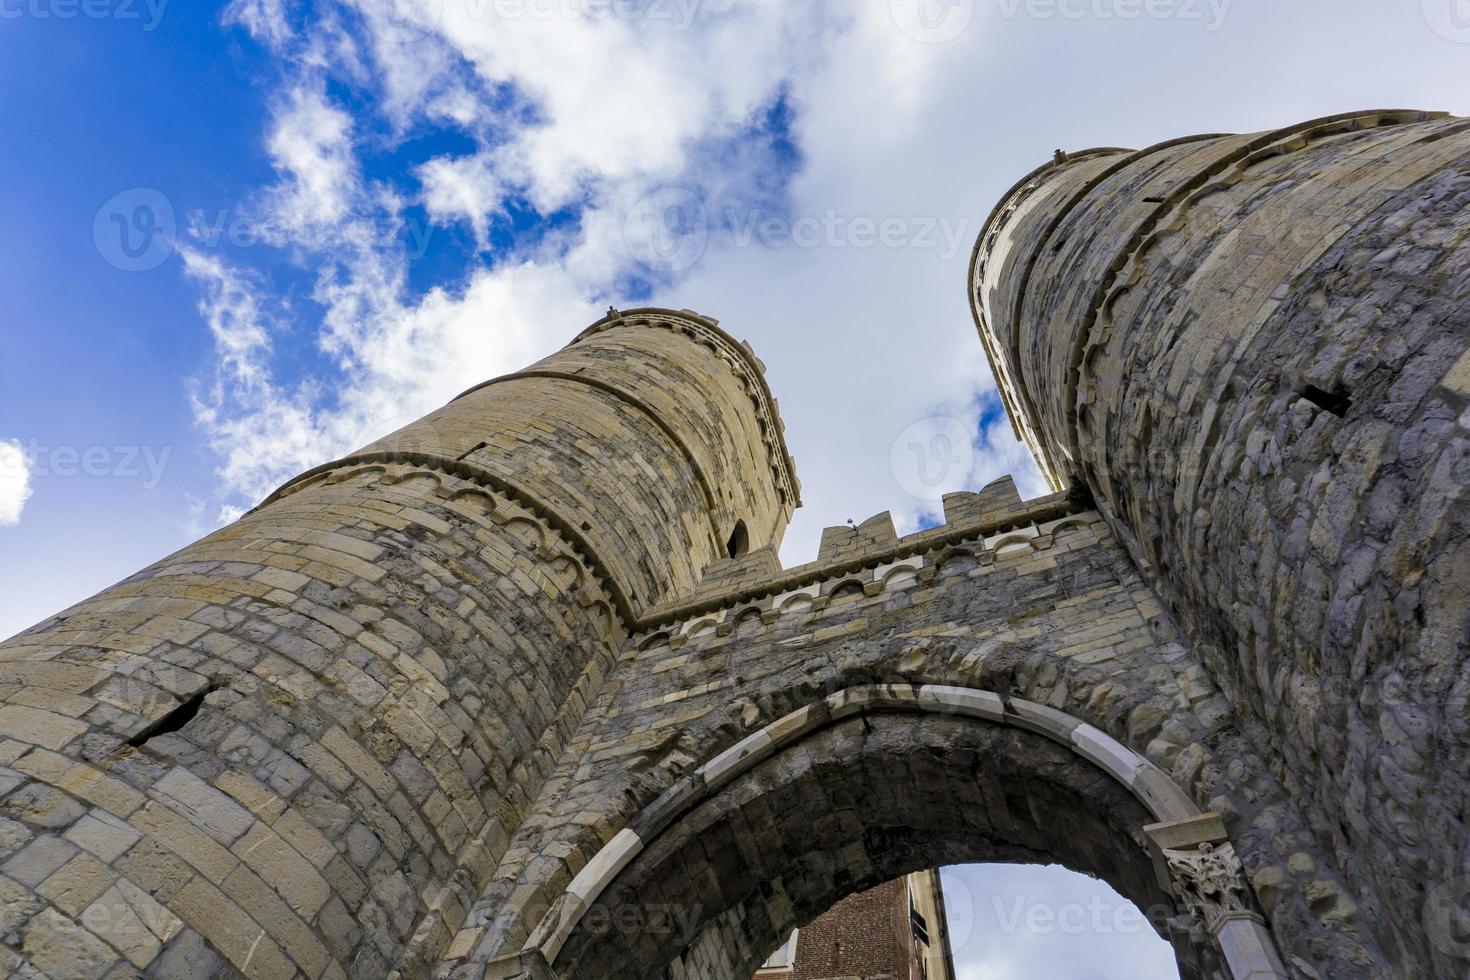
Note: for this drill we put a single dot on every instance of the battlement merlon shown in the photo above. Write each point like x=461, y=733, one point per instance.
x=994, y=520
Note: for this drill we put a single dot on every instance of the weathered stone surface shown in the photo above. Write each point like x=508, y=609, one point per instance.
x=522, y=689
x=1251, y=350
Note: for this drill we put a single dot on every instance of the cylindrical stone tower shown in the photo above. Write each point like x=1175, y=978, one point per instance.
x=1251, y=350
x=301, y=745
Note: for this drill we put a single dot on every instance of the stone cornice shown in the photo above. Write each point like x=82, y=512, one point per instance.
x=1042, y=510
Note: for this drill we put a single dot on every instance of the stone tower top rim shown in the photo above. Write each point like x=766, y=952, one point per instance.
x=753, y=378
x=990, y=230
x=1064, y=159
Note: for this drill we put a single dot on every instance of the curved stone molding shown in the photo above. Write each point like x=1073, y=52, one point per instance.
x=1006, y=362
x=1148, y=783
x=742, y=362
x=623, y=396
x=475, y=474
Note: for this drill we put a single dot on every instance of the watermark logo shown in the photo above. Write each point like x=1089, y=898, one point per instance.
x=667, y=230
x=1447, y=917
x=414, y=20
x=1450, y=19
x=148, y=13
x=932, y=21
x=670, y=230
x=932, y=457
x=136, y=230
x=139, y=229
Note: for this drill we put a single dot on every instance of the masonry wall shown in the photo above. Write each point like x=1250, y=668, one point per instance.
x=1036, y=601
x=300, y=746
x=864, y=935
x=1252, y=351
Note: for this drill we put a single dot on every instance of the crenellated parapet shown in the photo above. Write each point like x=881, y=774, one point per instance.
x=870, y=558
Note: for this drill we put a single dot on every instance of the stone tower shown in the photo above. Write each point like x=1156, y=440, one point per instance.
x=524, y=691
x=1251, y=350
x=301, y=744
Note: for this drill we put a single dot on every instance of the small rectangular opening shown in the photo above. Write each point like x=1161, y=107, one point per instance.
x=1337, y=403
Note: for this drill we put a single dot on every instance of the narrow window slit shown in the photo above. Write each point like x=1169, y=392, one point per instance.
x=1335, y=402
x=175, y=719
x=739, y=542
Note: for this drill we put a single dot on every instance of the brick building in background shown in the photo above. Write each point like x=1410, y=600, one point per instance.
x=896, y=931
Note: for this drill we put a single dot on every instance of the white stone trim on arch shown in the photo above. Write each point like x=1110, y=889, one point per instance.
x=1249, y=951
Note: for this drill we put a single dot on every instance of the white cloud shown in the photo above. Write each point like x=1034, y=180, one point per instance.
x=15, y=482
x=265, y=19
x=594, y=113
x=311, y=146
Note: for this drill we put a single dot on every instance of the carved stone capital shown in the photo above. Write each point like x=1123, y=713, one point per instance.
x=1210, y=883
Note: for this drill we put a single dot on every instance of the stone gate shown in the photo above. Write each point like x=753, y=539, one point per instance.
x=523, y=690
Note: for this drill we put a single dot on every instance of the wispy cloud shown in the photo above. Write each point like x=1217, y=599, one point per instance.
x=580, y=159
x=15, y=482
x=582, y=118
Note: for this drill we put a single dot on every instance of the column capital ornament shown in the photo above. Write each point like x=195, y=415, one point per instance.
x=1210, y=883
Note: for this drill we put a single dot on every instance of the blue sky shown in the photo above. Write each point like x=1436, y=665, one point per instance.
x=375, y=203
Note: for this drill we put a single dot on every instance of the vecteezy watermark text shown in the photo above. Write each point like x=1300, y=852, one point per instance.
x=833, y=229
x=138, y=230
x=680, y=14
x=1211, y=13
x=147, y=12
x=669, y=230
x=144, y=463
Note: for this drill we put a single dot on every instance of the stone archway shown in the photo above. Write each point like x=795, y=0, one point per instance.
x=872, y=783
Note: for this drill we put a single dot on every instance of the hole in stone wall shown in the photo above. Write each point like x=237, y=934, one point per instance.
x=1336, y=402
x=176, y=719
x=739, y=543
